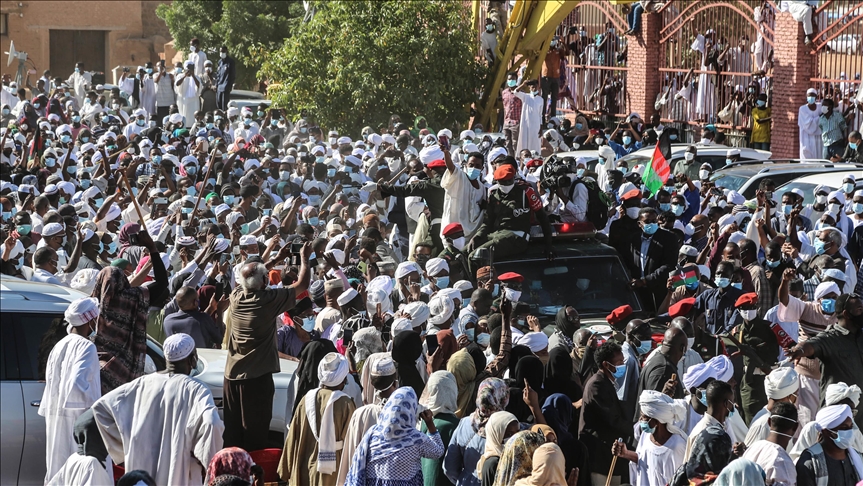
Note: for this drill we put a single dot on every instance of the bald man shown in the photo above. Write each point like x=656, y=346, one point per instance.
x=660, y=374
x=691, y=357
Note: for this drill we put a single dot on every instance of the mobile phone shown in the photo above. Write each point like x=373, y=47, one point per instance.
x=267, y=212
x=352, y=232
x=133, y=239
x=431, y=343
x=362, y=266
x=296, y=247
x=347, y=336
x=223, y=258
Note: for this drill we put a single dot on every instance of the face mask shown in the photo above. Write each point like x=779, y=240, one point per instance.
x=37, y=105
x=512, y=295
x=331, y=172
x=442, y=282
x=24, y=229
x=315, y=200
x=229, y=200
x=810, y=100
x=348, y=169
x=506, y=189
x=598, y=141
x=828, y=306
x=722, y=282
x=191, y=170
x=191, y=191
x=284, y=176
x=843, y=438
x=820, y=199
x=737, y=285
x=619, y=371
x=472, y=173
x=308, y=323
x=824, y=110
x=627, y=140
x=761, y=103
x=690, y=342
x=458, y=243
x=772, y=264
x=470, y=334
x=786, y=209
x=193, y=49
x=6, y=111
x=650, y=228
x=633, y=212
x=848, y=187
x=857, y=208
x=314, y=221
x=664, y=206
x=749, y=314
x=244, y=228
x=71, y=169
x=728, y=161
x=495, y=290
x=141, y=123
x=645, y=347
x=85, y=183
x=702, y=397
x=247, y=122
x=223, y=55
x=691, y=286
x=304, y=130
x=483, y=339
x=99, y=202
x=672, y=137
x=579, y=173
x=677, y=209
x=819, y=247
x=646, y=428
x=512, y=83
x=50, y=162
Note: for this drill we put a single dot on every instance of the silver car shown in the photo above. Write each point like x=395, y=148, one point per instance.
x=30, y=325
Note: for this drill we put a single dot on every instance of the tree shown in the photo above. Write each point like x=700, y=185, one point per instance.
x=356, y=62
x=246, y=27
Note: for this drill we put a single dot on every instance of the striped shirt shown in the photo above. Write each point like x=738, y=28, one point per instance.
x=832, y=129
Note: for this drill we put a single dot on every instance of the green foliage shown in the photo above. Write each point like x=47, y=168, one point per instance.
x=246, y=27
x=359, y=61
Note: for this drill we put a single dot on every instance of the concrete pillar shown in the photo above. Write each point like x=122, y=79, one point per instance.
x=793, y=67
x=643, y=81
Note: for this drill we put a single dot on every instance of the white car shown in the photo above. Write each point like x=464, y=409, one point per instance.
x=845, y=44
x=31, y=314
x=714, y=155
x=830, y=180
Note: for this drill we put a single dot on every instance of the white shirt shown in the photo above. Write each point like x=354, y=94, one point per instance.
x=81, y=471
x=657, y=463
x=199, y=58
x=777, y=464
x=461, y=201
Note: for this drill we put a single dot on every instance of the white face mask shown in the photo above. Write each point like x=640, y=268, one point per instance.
x=834, y=208
x=512, y=295
x=458, y=243
x=824, y=109
x=819, y=199
x=749, y=314
x=633, y=212
x=690, y=342
x=506, y=189
x=689, y=156
x=703, y=174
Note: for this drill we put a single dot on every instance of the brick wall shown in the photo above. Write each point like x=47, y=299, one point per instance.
x=793, y=66
x=643, y=79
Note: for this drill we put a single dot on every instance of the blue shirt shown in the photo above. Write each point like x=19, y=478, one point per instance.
x=462, y=455
x=620, y=150
x=718, y=308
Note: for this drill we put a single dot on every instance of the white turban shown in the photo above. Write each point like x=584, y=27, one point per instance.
x=837, y=392
x=85, y=280
x=221, y=245
x=496, y=153
x=838, y=195
x=463, y=285
x=82, y=311
x=381, y=282
x=367, y=341
x=347, y=296
x=405, y=268
x=435, y=266
x=232, y=218
x=663, y=408
x=536, y=341
x=431, y=153
x=832, y=416
x=113, y=212
x=441, y=393
x=339, y=255
x=735, y=198
x=724, y=368
x=375, y=297
x=441, y=308
x=696, y=375
x=178, y=347
x=333, y=369
x=419, y=312
x=825, y=288
x=399, y=325
x=451, y=294
x=781, y=383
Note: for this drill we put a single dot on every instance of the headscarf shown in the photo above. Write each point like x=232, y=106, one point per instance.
x=494, y=432
x=517, y=352
x=230, y=460
x=558, y=412
x=462, y=367
x=543, y=429
x=492, y=396
x=516, y=462
x=447, y=345
x=205, y=294
x=88, y=438
x=395, y=431
x=441, y=393
x=741, y=471
x=367, y=341
x=529, y=368
x=549, y=467
x=558, y=375
x=565, y=329
x=407, y=348
x=478, y=356
x=307, y=371
x=126, y=231
x=663, y=408
x=837, y=392
x=122, y=327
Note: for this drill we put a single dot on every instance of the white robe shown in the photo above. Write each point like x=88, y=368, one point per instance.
x=72, y=385
x=133, y=420
x=777, y=464
x=148, y=95
x=811, y=145
x=656, y=464
x=81, y=471
x=461, y=202
x=188, y=98
x=704, y=103
x=362, y=420
x=531, y=119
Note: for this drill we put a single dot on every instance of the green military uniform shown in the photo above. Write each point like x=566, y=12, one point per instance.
x=758, y=335
x=689, y=169
x=433, y=194
x=506, y=226
x=458, y=264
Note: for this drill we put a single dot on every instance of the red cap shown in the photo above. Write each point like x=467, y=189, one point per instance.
x=619, y=314
x=534, y=163
x=506, y=171
x=681, y=307
x=631, y=194
x=435, y=164
x=747, y=299
x=452, y=229
x=511, y=277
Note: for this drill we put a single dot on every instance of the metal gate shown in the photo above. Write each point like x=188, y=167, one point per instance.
x=71, y=46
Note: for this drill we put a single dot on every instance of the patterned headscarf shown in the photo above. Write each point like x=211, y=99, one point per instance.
x=517, y=459
x=230, y=460
x=492, y=396
x=395, y=431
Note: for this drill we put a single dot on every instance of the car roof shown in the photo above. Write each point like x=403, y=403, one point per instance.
x=677, y=150
x=587, y=154
x=21, y=295
x=831, y=179
x=767, y=167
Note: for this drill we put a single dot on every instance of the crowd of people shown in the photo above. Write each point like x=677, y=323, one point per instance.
x=367, y=262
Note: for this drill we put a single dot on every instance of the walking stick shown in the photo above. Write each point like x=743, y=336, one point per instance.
x=611, y=470
x=134, y=200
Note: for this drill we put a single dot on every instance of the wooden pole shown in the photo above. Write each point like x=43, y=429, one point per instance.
x=132, y=195
x=611, y=470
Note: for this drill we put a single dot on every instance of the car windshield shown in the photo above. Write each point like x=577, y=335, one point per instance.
x=634, y=159
x=808, y=189
x=594, y=285
x=730, y=182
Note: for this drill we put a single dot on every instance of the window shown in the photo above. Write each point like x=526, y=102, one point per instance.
x=4, y=24
x=36, y=335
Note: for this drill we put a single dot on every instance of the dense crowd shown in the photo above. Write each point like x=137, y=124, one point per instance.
x=373, y=263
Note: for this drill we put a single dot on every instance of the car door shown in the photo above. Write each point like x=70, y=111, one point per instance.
x=35, y=336
x=12, y=426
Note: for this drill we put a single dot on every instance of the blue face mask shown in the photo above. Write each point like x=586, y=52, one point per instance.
x=314, y=221
x=191, y=191
x=619, y=371
x=229, y=200
x=244, y=228
x=810, y=100
x=442, y=282
x=85, y=183
x=65, y=139
x=665, y=206
x=722, y=282
x=691, y=286
x=579, y=172
x=308, y=323
x=702, y=397
x=852, y=145
x=645, y=347
x=672, y=137
x=579, y=126
x=348, y=169
x=85, y=139
x=761, y=103
x=772, y=264
x=843, y=438
x=50, y=162
x=646, y=428
x=472, y=173
x=191, y=170
x=677, y=209
x=819, y=247
x=786, y=209
x=828, y=306
x=737, y=285
x=512, y=83
x=650, y=228
x=157, y=159
x=71, y=169
x=496, y=290
x=470, y=334
x=99, y=202
x=627, y=140
x=24, y=229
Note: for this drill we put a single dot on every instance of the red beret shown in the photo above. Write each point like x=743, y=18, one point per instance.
x=631, y=194
x=435, y=164
x=452, y=228
x=506, y=171
x=746, y=299
x=619, y=314
x=511, y=277
x=534, y=163
x=681, y=307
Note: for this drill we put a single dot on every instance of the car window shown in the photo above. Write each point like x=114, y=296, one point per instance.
x=806, y=187
x=35, y=337
x=8, y=356
x=777, y=178
x=716, y=161
x=594, y=285
x=730, y=181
